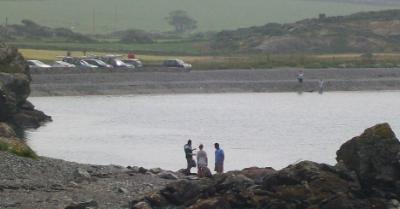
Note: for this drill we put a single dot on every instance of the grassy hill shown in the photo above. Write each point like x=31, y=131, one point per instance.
x=360, y=32
x=149, y=14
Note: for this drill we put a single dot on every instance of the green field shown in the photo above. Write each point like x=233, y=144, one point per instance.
x=149, y=14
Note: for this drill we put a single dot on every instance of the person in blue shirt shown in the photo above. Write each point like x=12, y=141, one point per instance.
x=219, y=159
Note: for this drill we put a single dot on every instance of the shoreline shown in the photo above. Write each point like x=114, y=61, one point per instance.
x=213, y=81
x=53, y=183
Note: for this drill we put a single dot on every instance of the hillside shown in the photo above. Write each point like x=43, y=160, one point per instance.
x=149, y=14
x=375, y=2
x=360, y=32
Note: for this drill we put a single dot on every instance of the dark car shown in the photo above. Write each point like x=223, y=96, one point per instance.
x=177, y=63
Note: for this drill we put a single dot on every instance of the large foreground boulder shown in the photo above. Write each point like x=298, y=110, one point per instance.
x=375, y=157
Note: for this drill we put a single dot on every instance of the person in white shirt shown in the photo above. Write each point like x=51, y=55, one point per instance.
x=202, y=162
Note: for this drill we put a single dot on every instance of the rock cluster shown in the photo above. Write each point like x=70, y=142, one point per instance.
x=15, y=109
x=366, y=176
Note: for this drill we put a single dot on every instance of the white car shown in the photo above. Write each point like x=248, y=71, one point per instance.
x=37, y=64
x=63, y=64
x=135, y=62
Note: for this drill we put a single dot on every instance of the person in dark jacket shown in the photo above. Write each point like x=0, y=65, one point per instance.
x=191, y=163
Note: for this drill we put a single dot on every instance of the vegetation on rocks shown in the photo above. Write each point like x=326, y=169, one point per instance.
x=9, y=142
x=17, y=147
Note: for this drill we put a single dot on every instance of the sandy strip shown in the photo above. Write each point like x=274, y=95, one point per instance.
x=71, y=83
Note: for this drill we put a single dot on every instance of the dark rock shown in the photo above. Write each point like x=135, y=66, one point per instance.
x=30, y=118
x=181, y=192
x=232, y=181
x=11, y=61
x=81, y=174
x=122, y=190
x=142, y=170
x=374, y=156
x=167, y=175
x=141, y=205
x=27, y=105
x=311, y=181
x=6, y=131
x=156, y=200
x=155, y=170
x=257, y=174
x=14, y=91
x=210, y=203
x=83, y=205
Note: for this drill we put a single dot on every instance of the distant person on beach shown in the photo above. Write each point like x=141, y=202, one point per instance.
x=300, y=76
x=202, y=163
x=219, y=159
x=321, y=84
x=189, y=156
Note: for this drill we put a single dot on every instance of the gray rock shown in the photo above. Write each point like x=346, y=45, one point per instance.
x=142, y=205
x=83, y=205
x=122, y=190
x=393, y=204
x=155, y=170
x=81, y=174
x=167, y=175
x=6, y=131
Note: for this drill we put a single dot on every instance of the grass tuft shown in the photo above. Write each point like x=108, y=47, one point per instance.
x=18, y=148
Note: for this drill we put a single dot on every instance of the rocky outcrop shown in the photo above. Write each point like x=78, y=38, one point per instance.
x=375, y=157
x=14, y=91
x=366, y=176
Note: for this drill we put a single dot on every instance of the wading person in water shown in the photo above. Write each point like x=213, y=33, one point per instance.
x=321, y=86
x=219, y=159
x=189, y=156
x=202, y=163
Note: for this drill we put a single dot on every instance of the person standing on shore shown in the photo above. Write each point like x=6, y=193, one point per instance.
x=202, y=163
x=189, y=156
x=300, y=76
x=219, y=159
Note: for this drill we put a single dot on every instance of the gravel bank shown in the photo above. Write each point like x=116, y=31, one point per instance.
x=106, y=82
x=52, y=183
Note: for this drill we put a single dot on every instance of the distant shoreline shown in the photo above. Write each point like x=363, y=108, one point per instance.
x=105, y=82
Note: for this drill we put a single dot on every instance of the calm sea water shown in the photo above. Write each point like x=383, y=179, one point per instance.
x=254, y=129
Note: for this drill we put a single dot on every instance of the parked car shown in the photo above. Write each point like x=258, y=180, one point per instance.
x=78, y=62
x=98, y=63
x=135, y=62
x=62, y=64
x=177, y=63
x=37, y=64
x=117, y=63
